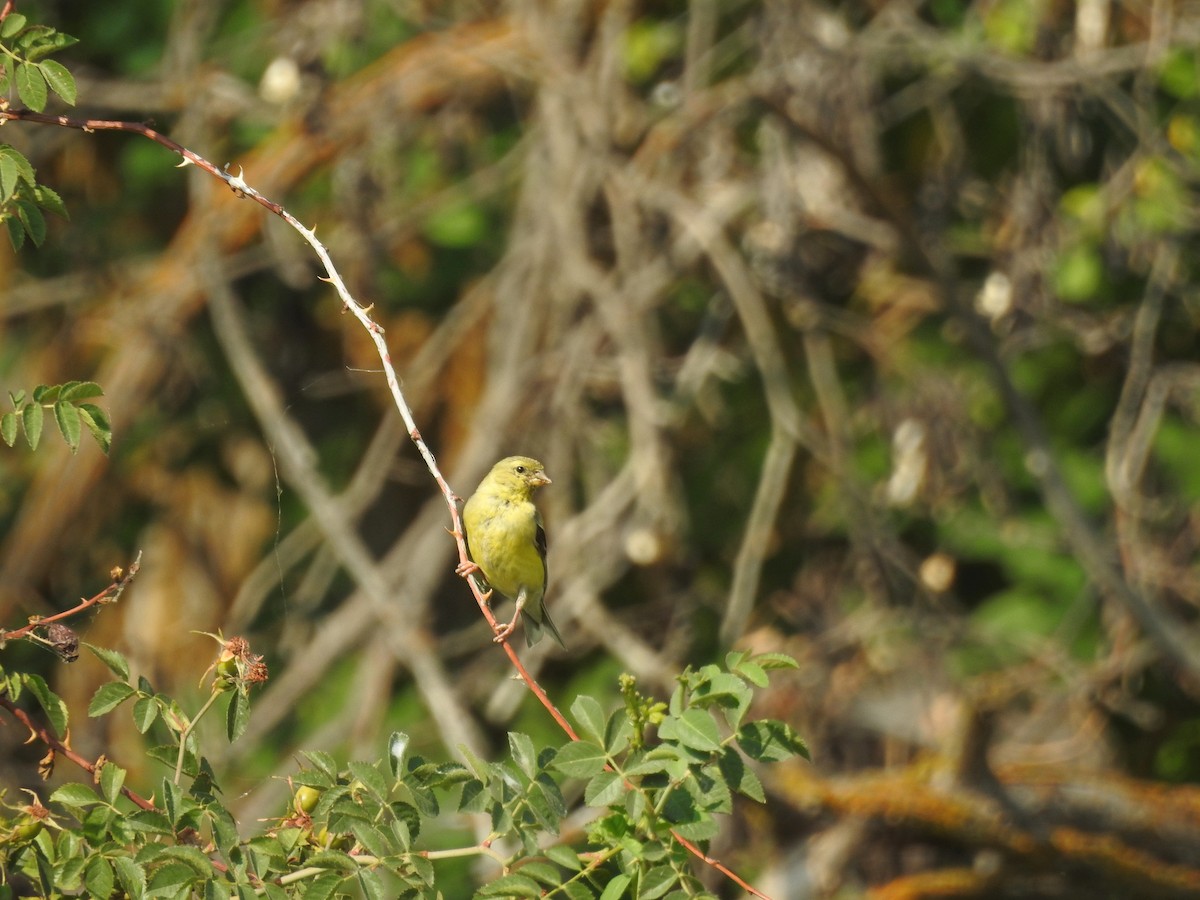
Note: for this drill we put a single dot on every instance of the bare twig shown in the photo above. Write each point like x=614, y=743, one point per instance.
x=110, y=594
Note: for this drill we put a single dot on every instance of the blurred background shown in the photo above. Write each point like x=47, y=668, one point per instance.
x=864, y=332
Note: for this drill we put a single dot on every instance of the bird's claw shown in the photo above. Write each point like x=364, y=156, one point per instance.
x=503, y=631
x=466, y=568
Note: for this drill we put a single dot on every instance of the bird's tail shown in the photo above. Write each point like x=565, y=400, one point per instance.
x=534, y=629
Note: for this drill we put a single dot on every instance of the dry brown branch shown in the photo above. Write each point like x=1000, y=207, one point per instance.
x=1060, y=831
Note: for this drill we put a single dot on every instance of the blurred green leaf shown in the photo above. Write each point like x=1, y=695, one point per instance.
x=462, y=225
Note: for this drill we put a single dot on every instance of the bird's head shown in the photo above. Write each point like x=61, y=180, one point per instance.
x=518, y=474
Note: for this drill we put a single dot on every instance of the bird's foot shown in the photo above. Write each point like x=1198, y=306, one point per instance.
x=466, y=568
x=503, y=631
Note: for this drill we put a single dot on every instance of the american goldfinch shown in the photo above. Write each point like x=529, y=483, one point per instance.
x=506, y=541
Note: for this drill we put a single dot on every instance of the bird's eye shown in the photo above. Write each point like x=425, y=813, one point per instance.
x=520, y=470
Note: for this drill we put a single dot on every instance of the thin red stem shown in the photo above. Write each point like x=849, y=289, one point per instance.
x=108, y=595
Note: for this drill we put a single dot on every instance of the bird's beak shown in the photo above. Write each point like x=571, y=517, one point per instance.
x=542, y=478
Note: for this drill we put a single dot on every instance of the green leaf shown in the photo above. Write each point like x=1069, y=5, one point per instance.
x=543, y=872
x=615, y=888
x=323, y=887
x=31, y=86
x=8, y=428
x=112, y=777
x=32, y=417
x=397, y=749
x=546, y=803
x=14, y=168
x=33, y=221
x=406, y=824
x=171, y=880
x=69, y=423
x=754, y=673
x=80, y=390
x=372, y=885
x=739, y=776
x=775, y=661
x=374, y=841
x=604, y=789
x=61, y=81
x=696, y=728
x=617, y=733
x=333, y=860
x=580, y=759
x=131, y=877
x=702, y=829
x=371, y=778
x=75, y=795
x=524, y=755
x=149, y=821
x=145, y=711
x=56, y=709
x=224, y=829
x=39, y=41
x=16, y=234
x=474, y=797
x=669, y=758
x=514, y=885
x=98, y=877
x=769, y=740
x=724, y=689
x=590, y=716
x=108, y=697
x=170, y=798
x=47, y=393
x=70, y=858
x=49, y=200
x=237, y=716
x=565, y=857
x=323, y=762
x=117, y=664
x=96, y=421
x=656, y=882
x=12, y=25
x=192, y=858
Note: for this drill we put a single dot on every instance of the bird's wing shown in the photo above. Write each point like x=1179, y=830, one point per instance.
x=540, y=540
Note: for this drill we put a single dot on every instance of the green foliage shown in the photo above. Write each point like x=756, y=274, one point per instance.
x=356, y=829
x=72, y=413
x=23, y=63
x=22, y=199
x=25, y=69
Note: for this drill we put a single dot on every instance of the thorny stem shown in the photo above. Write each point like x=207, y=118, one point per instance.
x=61, y=748
x=239, y=186
x=109, y=595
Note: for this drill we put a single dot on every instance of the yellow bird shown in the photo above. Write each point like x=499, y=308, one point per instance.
x=507, y=543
